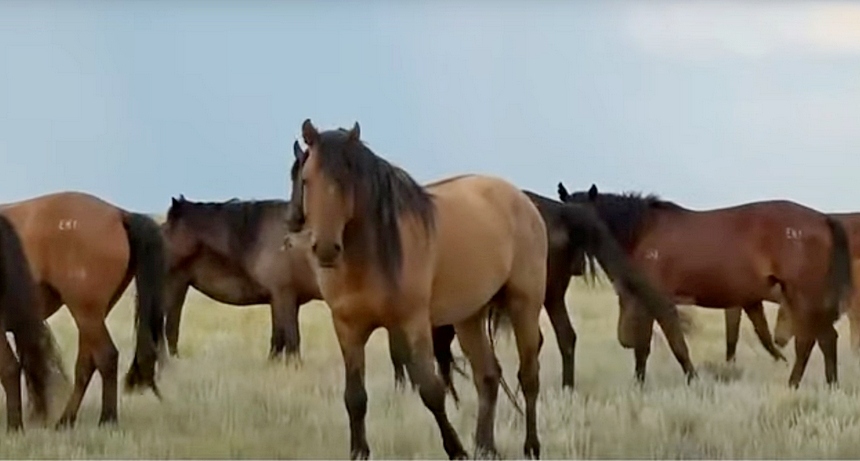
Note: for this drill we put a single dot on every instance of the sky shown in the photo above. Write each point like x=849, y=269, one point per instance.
x=708, y=104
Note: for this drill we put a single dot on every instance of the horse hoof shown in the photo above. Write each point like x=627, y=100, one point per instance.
x=110, y=420
x=359, y=453
x=65, y=422
x=485, y=453
x=532, y=450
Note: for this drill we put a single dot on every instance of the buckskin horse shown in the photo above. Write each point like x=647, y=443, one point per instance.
x=776, y=251
x=234, y=253
x=19, y=314
x=574, y=232
x=83, y=253
x=783, y=330
x=394, y=254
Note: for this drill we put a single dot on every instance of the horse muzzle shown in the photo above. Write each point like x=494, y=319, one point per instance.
x=327, y=253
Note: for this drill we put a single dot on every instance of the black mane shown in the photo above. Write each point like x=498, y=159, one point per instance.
x=383, y=192
x=241, y=218
x=626, y=214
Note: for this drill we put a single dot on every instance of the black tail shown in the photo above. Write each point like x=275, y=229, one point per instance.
x=839, y=274
x=21, y=315
x=148, y=258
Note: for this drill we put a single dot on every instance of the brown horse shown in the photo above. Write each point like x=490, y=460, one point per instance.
x=574, y=232
x=19, y=314
x=83, y=252
x=234, y=253
x=390, y=253
x=777, y=251
x=783, y=330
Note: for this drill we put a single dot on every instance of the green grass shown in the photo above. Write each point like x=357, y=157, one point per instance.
x=222, y=399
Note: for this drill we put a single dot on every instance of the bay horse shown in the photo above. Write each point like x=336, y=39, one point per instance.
x=234, y=253
x=34, y=342
x=394, y=254
x=777, y=251
x=576, y=237
x=83, y=253
x=783, y=329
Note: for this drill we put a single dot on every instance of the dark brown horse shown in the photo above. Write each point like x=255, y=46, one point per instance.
x=83, y=252
x=234, y=253
x=19, y=314
x=574, y=232
x=394, y=254
x=776, y=251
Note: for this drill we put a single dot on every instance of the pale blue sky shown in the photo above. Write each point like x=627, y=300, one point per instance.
x=708, y=104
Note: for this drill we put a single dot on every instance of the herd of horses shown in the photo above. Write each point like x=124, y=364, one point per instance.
x=456, y=258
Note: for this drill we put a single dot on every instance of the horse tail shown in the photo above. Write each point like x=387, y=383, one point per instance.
x=148, y=258
x=839, y=274
x=39, y=357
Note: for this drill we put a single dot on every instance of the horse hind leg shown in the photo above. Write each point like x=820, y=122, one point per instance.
x=486, y=375
x=286, y=338
x=733, y=327
x=96, y=351
x=10, y=377
x=827, y=343
x=755, y=312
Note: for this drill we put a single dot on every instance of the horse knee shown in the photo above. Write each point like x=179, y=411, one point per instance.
x=107, y=359
x=10, y=372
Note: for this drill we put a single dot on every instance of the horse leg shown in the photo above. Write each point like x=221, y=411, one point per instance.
x=525, y=320
x=803, y=343
x=418, y=333
x=783, y=331
x=644, y=331
x=853, y=315
x=176, y=292
x=398, y=347
x=827, y=343
x=106, y=358
x=286, y=338
x=443, y=336
x=352, y=342
x=10, y=377
x=564, y=332
x=756, y=314
x=486, y=375
x=733, y=326
x=85, y=366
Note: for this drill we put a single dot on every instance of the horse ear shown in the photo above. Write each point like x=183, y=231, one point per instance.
x=592, y=193
x=310, y=133
x=297, y=151
x=563, y=195
x=355, y=133
x=173, y=201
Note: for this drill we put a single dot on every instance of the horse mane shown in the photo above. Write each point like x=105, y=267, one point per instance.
x=384, y=191
x=626, y=214
x=241, y=218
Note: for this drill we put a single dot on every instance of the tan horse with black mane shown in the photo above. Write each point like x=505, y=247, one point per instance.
x=776, y=251
x=390, y=253
x=83, y=252
x=19, y=314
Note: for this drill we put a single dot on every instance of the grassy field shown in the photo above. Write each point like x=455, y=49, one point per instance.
x=222, y=399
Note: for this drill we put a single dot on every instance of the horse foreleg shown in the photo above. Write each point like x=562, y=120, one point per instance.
x=352, y=342
x=565, y=335
x=175, y=294
x=285, y=327
x=10, y=377
x=430, y=386
x=733, y=327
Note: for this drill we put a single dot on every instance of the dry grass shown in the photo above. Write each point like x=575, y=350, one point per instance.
x=223, y=400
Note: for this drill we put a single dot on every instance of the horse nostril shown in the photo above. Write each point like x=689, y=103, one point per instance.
x=337, y=248
x=314, y=247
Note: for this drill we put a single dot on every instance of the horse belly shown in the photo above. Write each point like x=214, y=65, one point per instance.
x=228, y=286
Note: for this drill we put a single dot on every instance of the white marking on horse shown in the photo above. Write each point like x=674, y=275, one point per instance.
x=68, y=224
x=652, y=254
x=793, y=234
